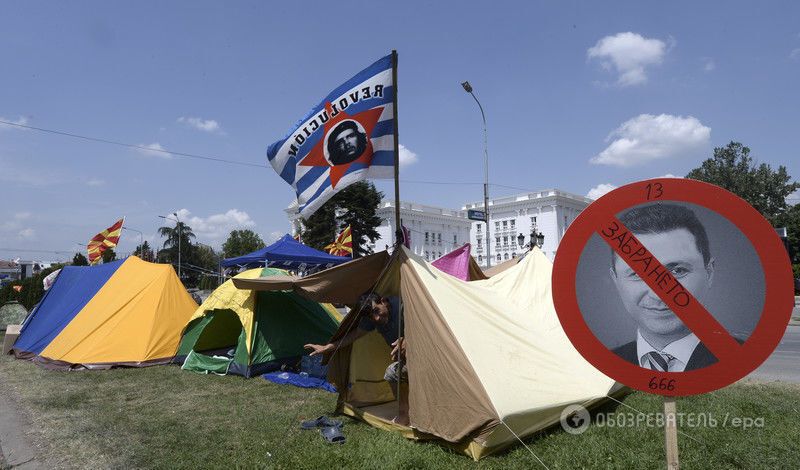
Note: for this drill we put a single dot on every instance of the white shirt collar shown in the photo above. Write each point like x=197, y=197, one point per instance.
x=681, y=350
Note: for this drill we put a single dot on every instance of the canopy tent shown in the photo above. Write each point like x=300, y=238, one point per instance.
x=124, y=313
x=286, y=253
x=487, y=360
x=459, y=263
x=262, y=330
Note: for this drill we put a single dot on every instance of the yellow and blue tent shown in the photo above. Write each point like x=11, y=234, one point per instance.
x=123, y=313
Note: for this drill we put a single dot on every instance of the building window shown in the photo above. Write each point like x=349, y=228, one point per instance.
x=505, y=256
x=513, y=255
x=455, y=239
x=440, y=237
x=497, y=225
x=480, y=258
x=533, y=222
x=440, y=254
x=513, y=223
x=479, y=228
x=426, y=237
x=499, y=258
x=497, y=241
x=427, y=256
x=505, y=241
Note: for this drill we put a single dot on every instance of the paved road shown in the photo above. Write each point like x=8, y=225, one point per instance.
x=784, y=363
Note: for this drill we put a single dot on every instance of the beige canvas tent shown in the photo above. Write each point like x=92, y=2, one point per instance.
x=487, y=360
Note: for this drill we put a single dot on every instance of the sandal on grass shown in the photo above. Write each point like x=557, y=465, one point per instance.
x=332, y=435
x=321, y=422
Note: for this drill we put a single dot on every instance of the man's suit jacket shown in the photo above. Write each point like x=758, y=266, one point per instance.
x=701, y=357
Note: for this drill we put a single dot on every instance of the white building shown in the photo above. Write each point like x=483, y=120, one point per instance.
x=436, y=231
x=549, y=212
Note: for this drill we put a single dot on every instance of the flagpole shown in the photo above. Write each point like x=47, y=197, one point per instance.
x=398, y=230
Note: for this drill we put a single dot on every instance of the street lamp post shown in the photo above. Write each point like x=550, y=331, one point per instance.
x=176, y=219
x=141, y=238
x=468, y=89
x=537, y=239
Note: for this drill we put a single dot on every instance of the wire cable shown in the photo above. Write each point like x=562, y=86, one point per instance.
x=138, y=147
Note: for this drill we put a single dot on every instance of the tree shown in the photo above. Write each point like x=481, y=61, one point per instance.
x=144, y=251
x=791, y=220
x=241, y=242
x=357, y=205
x=172, y=242
x=109, y=255
x=79, y=260
x=732, y=168
x=320, y=227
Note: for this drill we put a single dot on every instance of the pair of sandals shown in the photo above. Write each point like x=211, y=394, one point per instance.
x=331, y=429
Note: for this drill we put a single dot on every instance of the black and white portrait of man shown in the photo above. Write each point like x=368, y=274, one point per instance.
x=345, y=143
x=710, y=258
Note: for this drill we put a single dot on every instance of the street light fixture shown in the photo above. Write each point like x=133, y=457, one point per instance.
x=176, y=219
x=141, y=237
x=468, y=89
x=537, y=239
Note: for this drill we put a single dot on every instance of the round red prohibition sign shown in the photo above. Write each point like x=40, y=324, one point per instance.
x=735, y=358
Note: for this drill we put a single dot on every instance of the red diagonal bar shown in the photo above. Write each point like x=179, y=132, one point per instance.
x=682, y=303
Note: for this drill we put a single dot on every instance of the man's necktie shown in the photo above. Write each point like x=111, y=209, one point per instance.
x=657, y=361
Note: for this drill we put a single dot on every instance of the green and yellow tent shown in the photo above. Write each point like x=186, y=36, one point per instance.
x=239, y=331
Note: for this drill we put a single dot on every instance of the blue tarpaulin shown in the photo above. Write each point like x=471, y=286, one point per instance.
x=286, y=253
x=299, y=381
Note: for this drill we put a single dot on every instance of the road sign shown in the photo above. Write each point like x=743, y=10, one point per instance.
x=473, y=214
x=734, y=358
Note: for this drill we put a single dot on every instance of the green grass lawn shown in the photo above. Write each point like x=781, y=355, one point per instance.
x=167, y=418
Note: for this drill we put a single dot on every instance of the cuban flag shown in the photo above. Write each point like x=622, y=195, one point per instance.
x=346, y=138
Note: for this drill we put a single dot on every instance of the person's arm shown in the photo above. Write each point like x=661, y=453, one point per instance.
x=347, y=340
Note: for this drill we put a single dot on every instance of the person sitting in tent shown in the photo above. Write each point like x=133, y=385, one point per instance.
x=384, y=315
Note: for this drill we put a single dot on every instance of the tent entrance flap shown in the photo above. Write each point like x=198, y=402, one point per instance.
x=222, y=331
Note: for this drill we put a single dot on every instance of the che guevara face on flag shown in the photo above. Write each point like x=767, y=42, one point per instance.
x=347, y=137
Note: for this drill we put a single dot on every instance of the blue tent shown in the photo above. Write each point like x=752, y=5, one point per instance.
x=286, y=253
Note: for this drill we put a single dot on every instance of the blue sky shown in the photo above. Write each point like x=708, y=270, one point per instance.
x=577, y=96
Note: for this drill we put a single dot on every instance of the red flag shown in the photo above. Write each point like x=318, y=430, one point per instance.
x=108, y=238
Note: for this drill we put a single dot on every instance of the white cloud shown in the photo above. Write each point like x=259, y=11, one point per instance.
x=600, y=190
x=154, y=150
x=795, y=54
x=709, y=64
x=793, y=198
x=407, y=157
x=22, y=120
x=629, y=54
x=205, y=125
x=95, y=182
x=27, y=233
x=22, y=215
x=216, y=227
x=646, y=138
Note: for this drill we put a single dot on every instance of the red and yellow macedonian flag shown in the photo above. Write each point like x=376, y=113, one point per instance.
x=343, y=245
x=108, y=238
